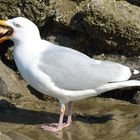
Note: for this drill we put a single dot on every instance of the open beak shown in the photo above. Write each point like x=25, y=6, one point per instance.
x=5, y=31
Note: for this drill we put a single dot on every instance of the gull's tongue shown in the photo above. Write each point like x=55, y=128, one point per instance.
x=1, y=35
x=2, y=31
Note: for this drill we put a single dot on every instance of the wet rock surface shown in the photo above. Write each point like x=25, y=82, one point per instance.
x=93, y=118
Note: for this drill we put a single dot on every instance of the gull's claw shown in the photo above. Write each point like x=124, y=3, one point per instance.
x=54, y=127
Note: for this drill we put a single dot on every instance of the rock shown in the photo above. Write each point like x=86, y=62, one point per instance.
x=6, y=106
x=4, y=137
x=135, y=2
x=137, y=129
x=32, y=9
x=10, y=84
x=3, y=88
x=136, y=97
x=108, y=25
x=90, y=26
x=14, y=136
x=113, y=25
x=18, y=136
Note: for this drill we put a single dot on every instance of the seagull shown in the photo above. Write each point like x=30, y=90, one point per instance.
x=62, y=72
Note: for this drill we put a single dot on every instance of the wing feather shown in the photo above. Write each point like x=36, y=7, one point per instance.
x=72, y=70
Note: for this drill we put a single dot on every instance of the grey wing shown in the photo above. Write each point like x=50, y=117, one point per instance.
x=72, y=70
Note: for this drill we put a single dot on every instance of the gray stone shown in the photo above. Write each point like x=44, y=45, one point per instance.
x=6, y=106
x=90, y=26
x=18, y=136
x=109, y=25
x=10, y=84
x=136, y=97
x=4, y=137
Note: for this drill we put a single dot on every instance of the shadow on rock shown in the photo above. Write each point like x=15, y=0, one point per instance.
x=6, y=54
x=78, y=21
x=40, y=95
x=95, y=119
x=134, y=2
x=12, y=114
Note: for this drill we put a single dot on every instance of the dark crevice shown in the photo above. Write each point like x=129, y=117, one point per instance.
x=134, y=2
x=127, y=94
x=12, y=114
x=82, y=41
x=3, y=51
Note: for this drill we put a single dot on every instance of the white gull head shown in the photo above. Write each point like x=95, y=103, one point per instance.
x=23, y=29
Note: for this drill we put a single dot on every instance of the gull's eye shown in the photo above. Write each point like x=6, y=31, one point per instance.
x=17, y=25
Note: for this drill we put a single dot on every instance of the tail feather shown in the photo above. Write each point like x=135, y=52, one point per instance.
x=135, y=75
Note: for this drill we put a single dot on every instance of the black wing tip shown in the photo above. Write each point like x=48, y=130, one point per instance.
x=135, y=75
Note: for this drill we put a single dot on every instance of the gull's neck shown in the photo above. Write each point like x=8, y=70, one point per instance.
x=26, y=47
x=26, y=40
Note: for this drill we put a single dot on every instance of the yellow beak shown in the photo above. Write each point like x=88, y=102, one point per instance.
x=3, y=31
x=2, y=22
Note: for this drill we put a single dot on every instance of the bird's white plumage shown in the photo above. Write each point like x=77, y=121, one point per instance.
x=62, y=72
x=72, y=70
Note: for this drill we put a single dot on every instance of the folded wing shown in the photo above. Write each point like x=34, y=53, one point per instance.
x=72, y=70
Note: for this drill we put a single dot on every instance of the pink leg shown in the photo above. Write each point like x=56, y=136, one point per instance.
x=62, y=112
x=56, y=126
x=69, y=120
